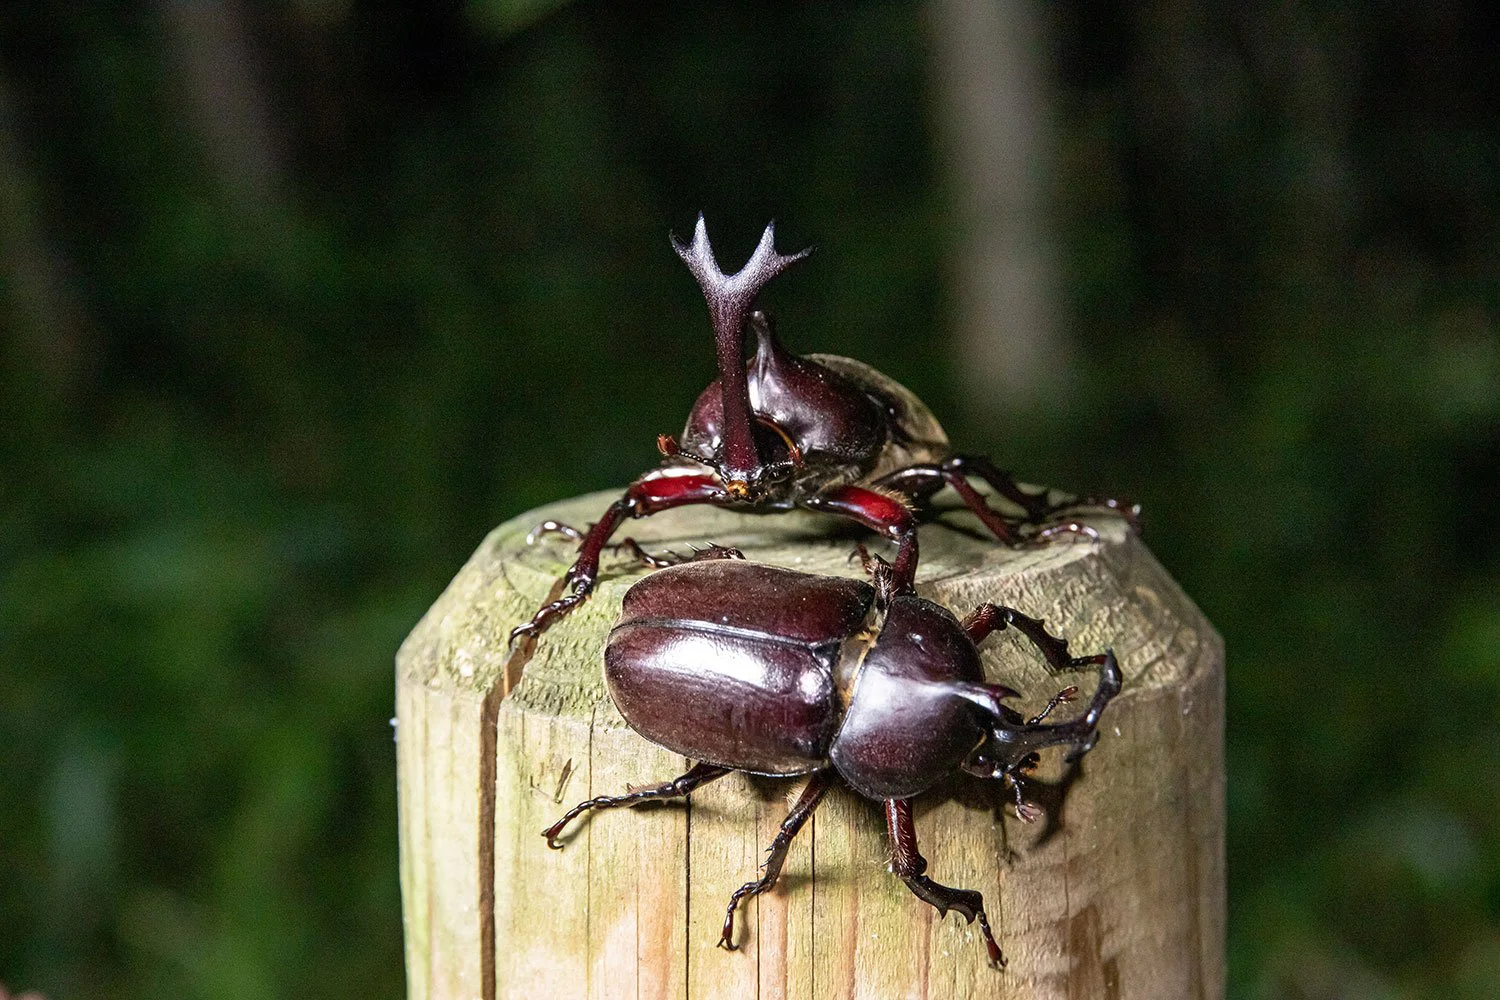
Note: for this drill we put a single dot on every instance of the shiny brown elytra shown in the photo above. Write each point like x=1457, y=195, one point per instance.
x=743, y=666
x=819, y=431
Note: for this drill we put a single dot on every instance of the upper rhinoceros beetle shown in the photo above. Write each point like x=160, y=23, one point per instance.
x=819, y=431
x=743, y=666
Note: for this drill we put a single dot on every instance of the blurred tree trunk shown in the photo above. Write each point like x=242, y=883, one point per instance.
x=991, y=83
x=217, y=59
x=37, y=288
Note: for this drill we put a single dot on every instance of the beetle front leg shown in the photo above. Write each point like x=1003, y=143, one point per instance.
x=909, y=866
x=989, y=618
x=644, y=497
x=883, y=512
x=770, y=870
x=582, y=574
x=700, y=775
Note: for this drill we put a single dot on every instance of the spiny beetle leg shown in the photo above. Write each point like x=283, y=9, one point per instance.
x=701, y=774
x=713, y=550
x=919, y=483
x=882, y=575
x=909, y=866
x=1005, y=529
x=770, y=870
x=645, y=497
x=872, y=563
x=989, y=618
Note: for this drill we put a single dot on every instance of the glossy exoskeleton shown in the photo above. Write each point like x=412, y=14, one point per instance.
x=744, y=666
x=819, y=431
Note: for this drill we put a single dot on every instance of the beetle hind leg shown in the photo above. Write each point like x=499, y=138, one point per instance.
x=701, y=774
x=770, y=869
x=910, y=867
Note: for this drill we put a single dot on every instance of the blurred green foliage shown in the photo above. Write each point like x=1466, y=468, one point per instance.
x=272, y=366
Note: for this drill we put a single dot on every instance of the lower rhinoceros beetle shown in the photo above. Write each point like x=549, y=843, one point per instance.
x=744, y=666
x=819, y=431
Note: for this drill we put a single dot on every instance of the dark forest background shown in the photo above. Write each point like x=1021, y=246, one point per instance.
x=299, y=299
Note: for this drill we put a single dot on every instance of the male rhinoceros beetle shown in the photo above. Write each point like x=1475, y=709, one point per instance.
x=744, y=666
x=822, y=432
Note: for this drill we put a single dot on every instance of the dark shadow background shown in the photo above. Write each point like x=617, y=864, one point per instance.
x=300, y=299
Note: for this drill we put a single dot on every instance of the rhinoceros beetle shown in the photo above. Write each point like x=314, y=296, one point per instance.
x=821, y=432
x=743, y=666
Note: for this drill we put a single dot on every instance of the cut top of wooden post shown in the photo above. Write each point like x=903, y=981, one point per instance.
x=1118, y=895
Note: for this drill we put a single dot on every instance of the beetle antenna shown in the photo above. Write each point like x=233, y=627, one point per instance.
x=730, y=297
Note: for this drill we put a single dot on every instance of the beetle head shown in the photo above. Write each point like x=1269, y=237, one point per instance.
x=742, y=457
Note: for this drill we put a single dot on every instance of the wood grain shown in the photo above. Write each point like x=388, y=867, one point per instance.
x=1118, y=893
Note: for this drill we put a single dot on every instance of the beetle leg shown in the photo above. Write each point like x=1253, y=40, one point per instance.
x=872, y=564
x=885, y=512
x=982, y=621
x=919, y=483
x=1033, y=733
x=1008, y=530
x=633, y=547
x=770, y=869
x=551, y=527
x=989, y=618
x=701, y=774
x=712, y=550
x=909, y=866
x=1037, y=505
x=1026, y=812
x=645, y=497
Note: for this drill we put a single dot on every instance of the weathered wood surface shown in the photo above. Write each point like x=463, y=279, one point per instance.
x=1118, y=894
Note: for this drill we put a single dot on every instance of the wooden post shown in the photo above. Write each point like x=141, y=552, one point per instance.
x=1118, y=893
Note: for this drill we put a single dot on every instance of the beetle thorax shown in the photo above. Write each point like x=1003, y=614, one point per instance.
x=904, y=726
x=812, y=425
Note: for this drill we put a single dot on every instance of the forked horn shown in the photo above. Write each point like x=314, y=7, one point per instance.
x=733, y=293
x=730, y=297
x=1017, y=739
